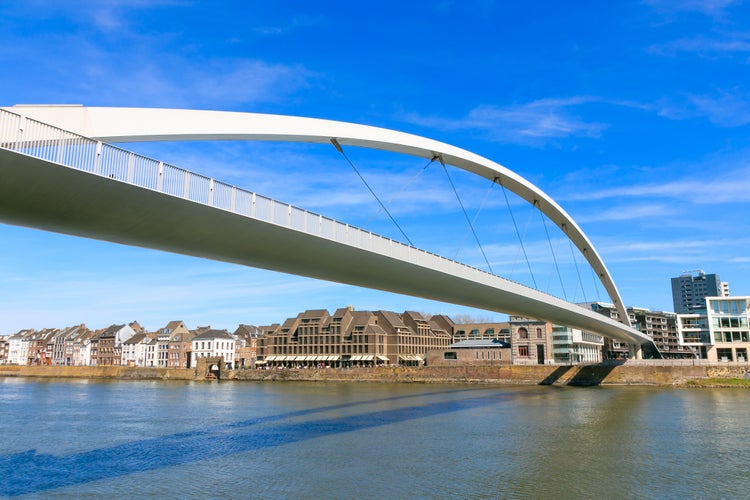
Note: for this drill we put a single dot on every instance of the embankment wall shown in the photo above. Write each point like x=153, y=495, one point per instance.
x=622, y=374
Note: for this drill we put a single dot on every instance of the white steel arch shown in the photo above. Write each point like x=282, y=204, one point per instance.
x=110, y=124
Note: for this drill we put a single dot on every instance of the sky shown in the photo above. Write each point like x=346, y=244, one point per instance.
x=633, y=116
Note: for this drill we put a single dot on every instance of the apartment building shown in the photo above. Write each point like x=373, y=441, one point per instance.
x=720, y=332
x=349, y=338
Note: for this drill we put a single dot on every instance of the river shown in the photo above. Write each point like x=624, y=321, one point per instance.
x=77, y=438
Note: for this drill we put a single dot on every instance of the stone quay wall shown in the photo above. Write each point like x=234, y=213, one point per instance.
x=584, y=375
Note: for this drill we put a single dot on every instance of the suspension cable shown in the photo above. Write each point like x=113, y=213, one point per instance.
x=520, y=240
x=578, y=271
x=476, y=216
x=402, y=190
x=596, y=280
x=465, y=214
x=551, y=249
x=340, y=150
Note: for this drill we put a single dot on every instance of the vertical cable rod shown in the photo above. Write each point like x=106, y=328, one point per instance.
x=466, y=215
x=341, y=150
x=515, y=226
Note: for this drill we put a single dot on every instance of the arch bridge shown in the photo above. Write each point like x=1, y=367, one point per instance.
x=60, y=174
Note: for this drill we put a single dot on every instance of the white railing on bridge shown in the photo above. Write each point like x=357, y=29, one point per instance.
x=30, y=137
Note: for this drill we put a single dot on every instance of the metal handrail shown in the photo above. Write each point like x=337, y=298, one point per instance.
x=40, y=140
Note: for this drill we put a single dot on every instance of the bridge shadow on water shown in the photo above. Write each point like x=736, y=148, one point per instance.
x=29, y=472
x=585, y=375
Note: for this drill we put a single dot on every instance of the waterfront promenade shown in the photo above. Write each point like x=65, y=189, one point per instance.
x=653, y=373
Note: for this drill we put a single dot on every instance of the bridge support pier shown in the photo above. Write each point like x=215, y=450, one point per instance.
x=635, y=351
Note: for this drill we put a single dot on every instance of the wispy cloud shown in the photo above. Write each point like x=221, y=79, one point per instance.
x=719, y=45
x=295, y=23
x=711, y=8
x=627, y=212
x=216, y=83
x=675, y=251
x=732, y=186
x=528, y=123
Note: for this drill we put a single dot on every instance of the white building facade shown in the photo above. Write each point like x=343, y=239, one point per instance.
x=721, y=332
x=573, y=346
x=214, y=343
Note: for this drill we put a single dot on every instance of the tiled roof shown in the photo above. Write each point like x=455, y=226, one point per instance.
x=214, y=334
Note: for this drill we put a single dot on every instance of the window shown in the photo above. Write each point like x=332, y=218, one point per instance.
x=523, y=350
x=538, y=333
x=724, y=354
x=450, y=355
x=523, y=333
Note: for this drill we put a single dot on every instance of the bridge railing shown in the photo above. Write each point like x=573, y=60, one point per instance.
x=40, y=140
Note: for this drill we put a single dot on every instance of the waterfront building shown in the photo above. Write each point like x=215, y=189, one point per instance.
x=531, y=341
x=109, y=344
x=690, y=289
x=660, y=326
x=18, y=347
x=59, y=343
x=213, y=344
x=4, y=345
x=81, y=348
x=173, y=344
x=92, y=351
x=36, y=350
x=472, y=352
x=573, y=346
x=349, y=338
x=163, y=341
x=720, y=332
x=479, y=331
x=135, y=349
x=247, y=346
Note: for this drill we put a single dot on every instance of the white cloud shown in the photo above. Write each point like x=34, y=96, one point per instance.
x=216, y=83
x=673, y=251
x=627, y=212
x=528, y=123
x=730, y=187
x=710, y=47
x=711, y=8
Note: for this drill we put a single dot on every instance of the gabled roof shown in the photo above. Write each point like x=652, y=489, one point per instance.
x=372, y=328
x=416, y=316
x=314, y=314
x=247, y=331
x=111, y=331
x=214, y=334
x=135, y=339
x=173, y=324
x=393, y=318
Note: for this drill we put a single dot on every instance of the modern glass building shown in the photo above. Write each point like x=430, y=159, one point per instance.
x=689, y=291
x=720, y=331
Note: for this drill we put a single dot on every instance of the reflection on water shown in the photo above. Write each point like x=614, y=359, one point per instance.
x=273, y=440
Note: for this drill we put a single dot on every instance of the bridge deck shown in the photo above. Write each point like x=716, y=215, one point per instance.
x=134, y=202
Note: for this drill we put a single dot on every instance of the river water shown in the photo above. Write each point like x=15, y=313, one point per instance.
x=80, y=438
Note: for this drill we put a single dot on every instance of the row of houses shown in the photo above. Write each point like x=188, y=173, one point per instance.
x=173, y=346
x=350, y=338
x=313, y=338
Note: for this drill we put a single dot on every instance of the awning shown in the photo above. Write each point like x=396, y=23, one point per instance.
x=271, y=358
x=382, y=358
x=408, y=357
x=260, y=362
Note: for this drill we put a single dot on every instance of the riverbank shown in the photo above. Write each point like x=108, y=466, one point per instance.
x=641, y=373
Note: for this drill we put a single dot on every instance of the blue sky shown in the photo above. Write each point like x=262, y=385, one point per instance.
x=634, y=116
